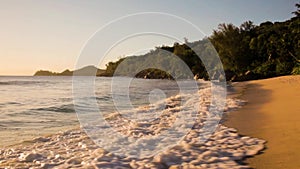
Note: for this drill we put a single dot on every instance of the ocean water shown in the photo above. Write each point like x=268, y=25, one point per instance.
x=36, y=106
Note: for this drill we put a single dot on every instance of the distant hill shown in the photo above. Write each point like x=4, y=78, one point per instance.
x=85, y=71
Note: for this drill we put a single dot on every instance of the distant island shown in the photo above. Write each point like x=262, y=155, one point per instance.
x=94, y=71
x=85, y=71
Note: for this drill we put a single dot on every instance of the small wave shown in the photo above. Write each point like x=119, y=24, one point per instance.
x=13, y=103
x=9, y=103
x=21, y=83
x=67, y=99
x=103, y=98
x=4, y=83
x=62, y=109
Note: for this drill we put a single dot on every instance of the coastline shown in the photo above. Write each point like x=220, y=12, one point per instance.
x=225, y=148
x=271, y=113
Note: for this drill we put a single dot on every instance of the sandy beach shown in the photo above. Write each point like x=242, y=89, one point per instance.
x=271, y=113
x=263, y=110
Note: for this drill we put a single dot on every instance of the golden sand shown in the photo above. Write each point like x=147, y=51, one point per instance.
x=273, y=114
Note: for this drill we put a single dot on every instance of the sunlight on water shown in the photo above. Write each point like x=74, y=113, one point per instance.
x=35, y=106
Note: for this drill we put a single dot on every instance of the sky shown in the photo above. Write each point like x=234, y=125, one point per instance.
x=53, y=34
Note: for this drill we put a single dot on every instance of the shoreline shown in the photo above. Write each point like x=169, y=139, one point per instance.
x=225, y=148
x=272, y=114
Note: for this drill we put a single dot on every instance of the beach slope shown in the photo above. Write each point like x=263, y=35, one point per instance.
x=272, y=113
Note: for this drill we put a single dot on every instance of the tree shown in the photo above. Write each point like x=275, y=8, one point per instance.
x=297, y=12
x=231, y=45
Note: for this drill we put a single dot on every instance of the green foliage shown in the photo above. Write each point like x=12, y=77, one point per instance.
x=284, y=68
x=173, y=61
x=270, y=49
x=266, y=69
x=297, y=13
x=296, y=70
x=267, y=50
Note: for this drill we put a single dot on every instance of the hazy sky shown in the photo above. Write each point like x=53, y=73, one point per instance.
x=49, y=35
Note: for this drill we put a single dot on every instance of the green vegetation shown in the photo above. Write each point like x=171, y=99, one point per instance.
x=165, y=62
x=247, y=52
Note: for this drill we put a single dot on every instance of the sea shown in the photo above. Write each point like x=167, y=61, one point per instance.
x=33, y=106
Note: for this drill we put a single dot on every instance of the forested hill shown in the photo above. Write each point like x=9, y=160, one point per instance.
x=247, y=52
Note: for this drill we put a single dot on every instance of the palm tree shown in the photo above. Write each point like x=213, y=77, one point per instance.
x=297, y=13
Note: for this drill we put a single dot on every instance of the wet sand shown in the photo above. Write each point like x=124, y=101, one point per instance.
x=273, y=114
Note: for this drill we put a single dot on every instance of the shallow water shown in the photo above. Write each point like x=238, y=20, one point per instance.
x=35, y=106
